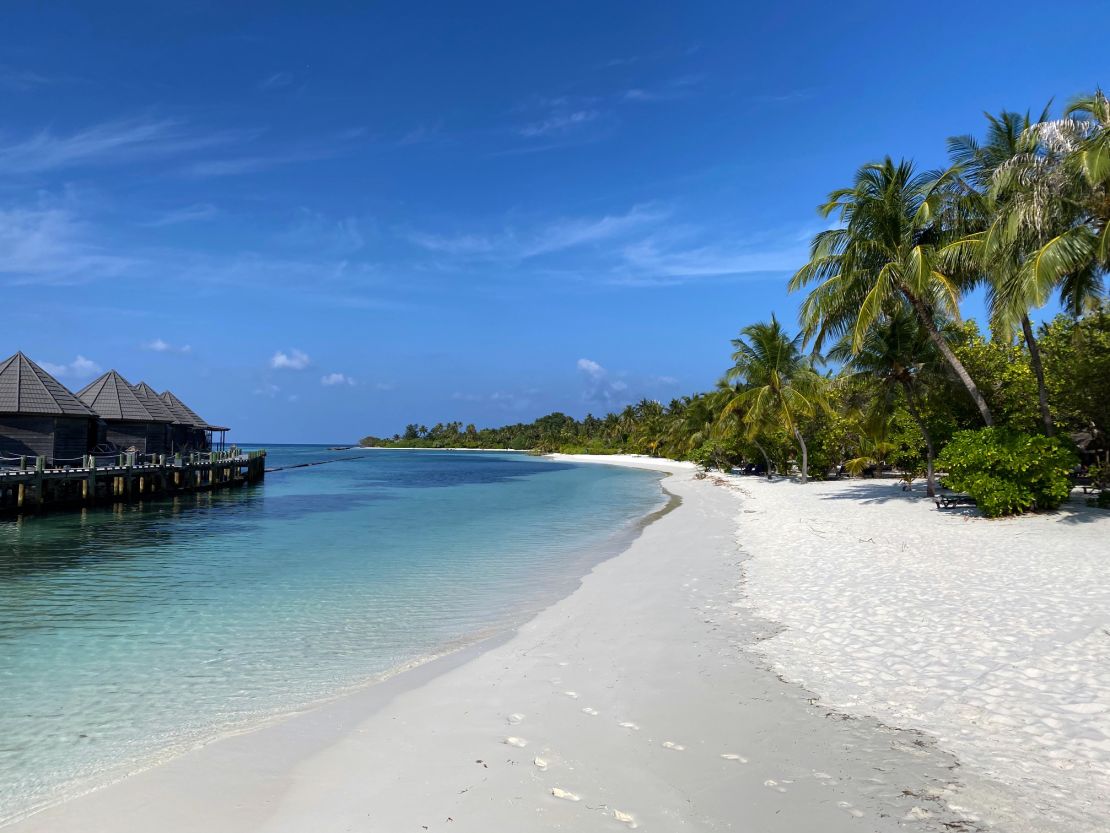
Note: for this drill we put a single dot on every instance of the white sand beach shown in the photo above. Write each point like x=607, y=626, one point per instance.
x=954, y=675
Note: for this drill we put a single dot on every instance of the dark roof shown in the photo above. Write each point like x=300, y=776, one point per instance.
x=149, y=397
x=25, y=388
x=111, y=397
x=185, y=415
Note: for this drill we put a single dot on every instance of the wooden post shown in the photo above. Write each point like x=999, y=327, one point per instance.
x=40, y=486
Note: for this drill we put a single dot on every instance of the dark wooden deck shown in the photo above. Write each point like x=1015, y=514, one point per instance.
x=30, y=486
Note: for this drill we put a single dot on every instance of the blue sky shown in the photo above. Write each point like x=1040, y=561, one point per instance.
x=315, y=221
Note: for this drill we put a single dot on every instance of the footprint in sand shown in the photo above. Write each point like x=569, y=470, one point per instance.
x=774, y=785
x=515, y=718
x=519, y=743
x=563, y=794
x=849, y=809
x=540, y=764
x=625, y=818
x=590, y=712
x=628, y=725
x=573, y=695
x=677, y=747
x=731, y=756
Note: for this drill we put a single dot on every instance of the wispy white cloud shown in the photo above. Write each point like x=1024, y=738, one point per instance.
x=79, y=368
x=21, y=80
x=159, y=345
x=674, y=88
x=293, y=360
x=646, y=259
x=267, y=389
x=330, y=380
x=559, y=123
x=543, y=239
x=276, y=81
x=47, y=242
x=600, y=386
x=112, y=142
x=240, y=165
x=186, y=214
x=312, y=229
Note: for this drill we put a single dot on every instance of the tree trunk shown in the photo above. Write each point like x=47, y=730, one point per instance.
x=1038, y=371
x=805, y=454
x=957, y=366
x=930, y=480
x=766, y=459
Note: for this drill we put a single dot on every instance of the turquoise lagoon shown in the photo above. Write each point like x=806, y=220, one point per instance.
x=131, y=634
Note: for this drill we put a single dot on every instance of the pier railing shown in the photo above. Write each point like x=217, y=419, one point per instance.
x=30, y=482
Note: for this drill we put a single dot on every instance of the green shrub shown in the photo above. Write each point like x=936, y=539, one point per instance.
x=711, y=455
x=1008, y=472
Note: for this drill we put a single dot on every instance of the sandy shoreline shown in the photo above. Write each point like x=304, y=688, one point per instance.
x=650, y=697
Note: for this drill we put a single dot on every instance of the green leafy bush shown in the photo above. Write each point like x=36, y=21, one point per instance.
x=1008, y=472
x=711, y=455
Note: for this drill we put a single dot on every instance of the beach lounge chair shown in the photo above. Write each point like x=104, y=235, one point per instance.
x=946, y=501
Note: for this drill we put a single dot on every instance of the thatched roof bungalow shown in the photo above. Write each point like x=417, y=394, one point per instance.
x=39, y=417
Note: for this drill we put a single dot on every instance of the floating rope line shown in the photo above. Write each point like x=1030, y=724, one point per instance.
x=318, y=463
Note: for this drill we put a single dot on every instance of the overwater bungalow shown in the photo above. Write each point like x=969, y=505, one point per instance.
x=125, y=422
x=38, y=416
x=191, y=431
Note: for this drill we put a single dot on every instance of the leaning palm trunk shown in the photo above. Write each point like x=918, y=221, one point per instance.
x=911, y=406
x=766, y=459
x=1038, y=370
x=805, y=454
x=945, y=350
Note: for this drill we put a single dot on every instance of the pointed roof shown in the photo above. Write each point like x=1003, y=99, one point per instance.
x=185, y=415
x=149, y=397
x=25, y=388
x=111, y=397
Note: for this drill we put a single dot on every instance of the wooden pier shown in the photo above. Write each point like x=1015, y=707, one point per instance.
x=30, y=486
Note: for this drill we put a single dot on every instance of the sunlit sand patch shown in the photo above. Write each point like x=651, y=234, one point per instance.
x=589, y=711
x=628, y=725
x=519, y=743
x=573, y=695
x=677, y=747
x=774, y=785
x=563, y=794
x=732, y=756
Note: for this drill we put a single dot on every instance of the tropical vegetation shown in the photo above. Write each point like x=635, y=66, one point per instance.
x=882, y=371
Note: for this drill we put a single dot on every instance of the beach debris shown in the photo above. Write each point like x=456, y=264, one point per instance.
x=677, y=747
x=539, y=763
x=563, y=794
x=519, y=743
x=624, y=818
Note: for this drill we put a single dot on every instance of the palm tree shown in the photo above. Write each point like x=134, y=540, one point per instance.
x=984, y=253
x=887, y=252
x=895, y=354
x=779, y=385
x=1057, y=195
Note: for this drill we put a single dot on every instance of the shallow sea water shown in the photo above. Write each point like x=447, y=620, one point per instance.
x=131, y=634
